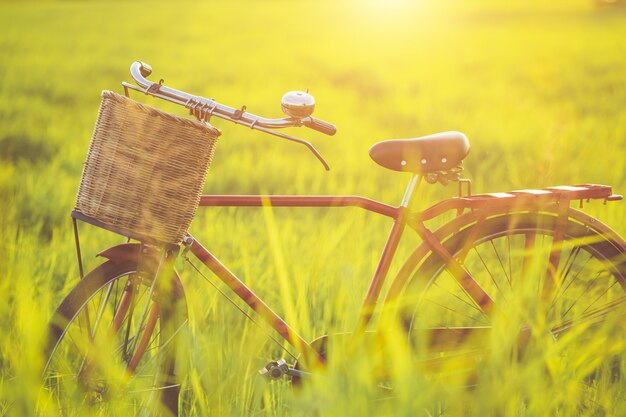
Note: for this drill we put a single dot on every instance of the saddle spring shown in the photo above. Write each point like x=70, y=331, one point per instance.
x=444, y=177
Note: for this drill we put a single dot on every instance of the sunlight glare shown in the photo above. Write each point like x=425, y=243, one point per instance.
x=391, y=11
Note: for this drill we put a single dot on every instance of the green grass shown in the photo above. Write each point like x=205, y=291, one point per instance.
x=539, y=89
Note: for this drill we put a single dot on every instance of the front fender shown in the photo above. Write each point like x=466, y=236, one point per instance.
x=130, y=252
x=148, y=257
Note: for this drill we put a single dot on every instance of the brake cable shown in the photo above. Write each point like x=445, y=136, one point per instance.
x=267, y=333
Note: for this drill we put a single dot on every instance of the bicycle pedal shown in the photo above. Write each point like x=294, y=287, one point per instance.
x=278, y=369
x=275, y=369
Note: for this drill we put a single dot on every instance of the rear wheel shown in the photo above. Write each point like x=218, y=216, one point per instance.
x=564, y=296
x=112, y=345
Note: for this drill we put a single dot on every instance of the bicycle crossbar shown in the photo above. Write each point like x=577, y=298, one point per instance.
x=299, y=201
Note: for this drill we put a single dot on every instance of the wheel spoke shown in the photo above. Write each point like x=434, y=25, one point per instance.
x=585, y=293
x=102, y=308
x=508, y=278
x=508, y=247
x=455, y=311
x=489, y=272
x=571, y=281
x=550, y=280
x=160, y=347
x=461, y=299
x=587, y=317
x=569, y=262
x=529, y=250
x=600, y=296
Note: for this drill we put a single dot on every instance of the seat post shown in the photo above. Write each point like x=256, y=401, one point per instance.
x=410, y=190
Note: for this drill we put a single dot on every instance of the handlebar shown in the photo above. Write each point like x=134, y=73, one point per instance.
x=320, y=125
x=297, y=105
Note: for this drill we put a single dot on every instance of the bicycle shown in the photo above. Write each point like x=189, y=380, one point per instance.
x=131, y=309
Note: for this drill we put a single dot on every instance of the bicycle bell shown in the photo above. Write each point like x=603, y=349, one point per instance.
x=298, y=104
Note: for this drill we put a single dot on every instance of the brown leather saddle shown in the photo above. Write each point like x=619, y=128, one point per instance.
x=432, y=153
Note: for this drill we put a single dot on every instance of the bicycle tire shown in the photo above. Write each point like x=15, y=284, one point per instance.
x=590, y=293
x=95, y=357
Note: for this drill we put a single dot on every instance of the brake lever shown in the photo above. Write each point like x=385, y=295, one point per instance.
x=297, y=140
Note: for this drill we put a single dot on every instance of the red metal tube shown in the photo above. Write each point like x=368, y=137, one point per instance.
x=250, y=298
x=298, y=201
x=369, y=303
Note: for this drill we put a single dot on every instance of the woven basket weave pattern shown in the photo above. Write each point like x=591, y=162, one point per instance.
x=145, y=169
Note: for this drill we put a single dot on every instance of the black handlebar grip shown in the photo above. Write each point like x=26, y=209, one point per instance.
x=320, y=125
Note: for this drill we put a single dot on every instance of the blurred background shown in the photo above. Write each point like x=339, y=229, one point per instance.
x=538, y=87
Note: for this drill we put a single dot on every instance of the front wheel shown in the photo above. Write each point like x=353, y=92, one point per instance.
x=112, y=344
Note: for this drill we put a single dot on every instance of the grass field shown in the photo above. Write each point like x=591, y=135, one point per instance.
x=538, y=87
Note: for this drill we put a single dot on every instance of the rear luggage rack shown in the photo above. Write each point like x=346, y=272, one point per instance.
x=549, y=194
x=536, y=197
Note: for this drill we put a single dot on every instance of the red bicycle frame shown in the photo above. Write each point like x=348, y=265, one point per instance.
x=402, y=216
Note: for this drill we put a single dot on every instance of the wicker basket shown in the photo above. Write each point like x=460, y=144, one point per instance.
x=144, y=171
